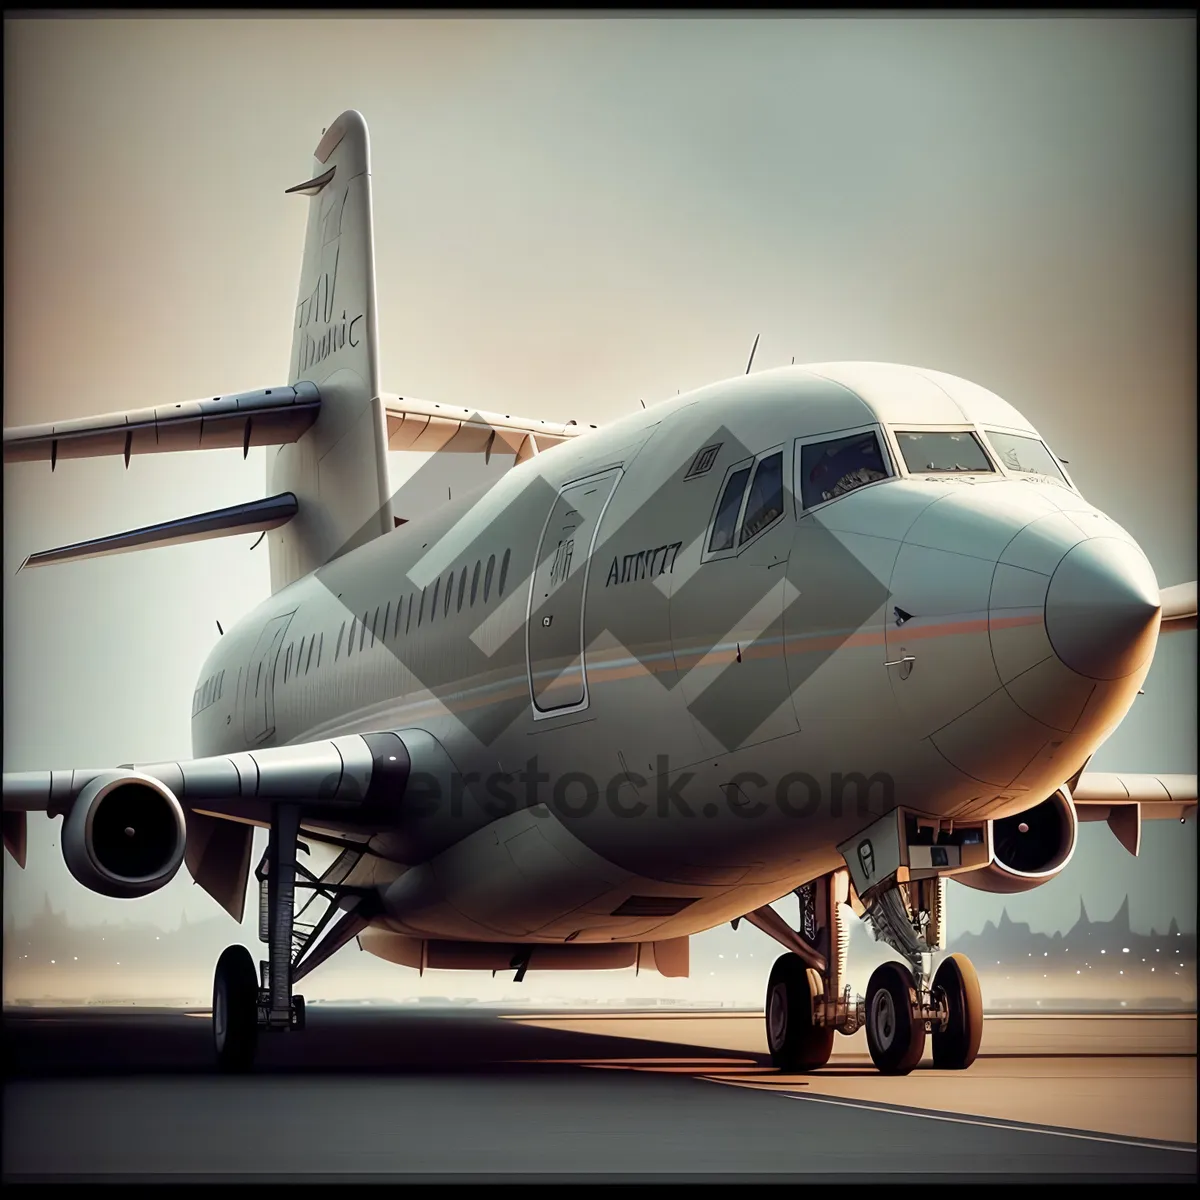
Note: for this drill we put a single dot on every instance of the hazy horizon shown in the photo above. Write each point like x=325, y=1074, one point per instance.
x=572, y=216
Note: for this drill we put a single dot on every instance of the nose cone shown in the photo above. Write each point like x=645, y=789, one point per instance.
x=1102, y=609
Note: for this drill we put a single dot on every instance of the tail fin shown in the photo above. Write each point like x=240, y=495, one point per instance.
x=338, y=469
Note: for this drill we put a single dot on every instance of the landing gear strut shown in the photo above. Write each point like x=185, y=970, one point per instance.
x=247, y=999
x=904, y=901
x=895, y=877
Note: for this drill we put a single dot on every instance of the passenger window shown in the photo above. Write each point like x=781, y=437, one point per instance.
x=338, y=649
x=449, y=594
x=421, y=610
x=437, y=590
x=320, y=647
x=362, y=636
x=387, y=613
x=766, y=497
x=374, y=623
x=408, y=620
x=487, y=578
x=475, y=581
x=831, y=469
x=503, y=573
x=308, y=661
x=725, y=523
x=462, y=587
x=287, y=662
x=300, y=654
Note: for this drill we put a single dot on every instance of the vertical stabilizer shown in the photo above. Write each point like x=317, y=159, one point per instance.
x=338, y=469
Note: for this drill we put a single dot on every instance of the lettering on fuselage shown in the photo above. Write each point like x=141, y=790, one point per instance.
x=644, y=564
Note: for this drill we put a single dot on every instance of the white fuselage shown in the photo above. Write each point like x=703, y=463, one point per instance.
x=622, y=702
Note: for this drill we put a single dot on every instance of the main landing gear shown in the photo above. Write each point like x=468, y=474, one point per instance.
x=247, y=999
x=904, y=901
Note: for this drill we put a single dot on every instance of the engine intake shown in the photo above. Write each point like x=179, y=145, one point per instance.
x=1028, y=849
x=124, y=836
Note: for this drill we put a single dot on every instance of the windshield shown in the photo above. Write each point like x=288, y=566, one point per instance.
x=925, y=453
x=832, y=468
x=1026, y=455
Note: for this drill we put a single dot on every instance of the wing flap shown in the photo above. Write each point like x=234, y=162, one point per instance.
x=418, y=425
x=1125, y=801
x=1162, y=796
x=218, y=859
x=268, y=417
x=251, y=517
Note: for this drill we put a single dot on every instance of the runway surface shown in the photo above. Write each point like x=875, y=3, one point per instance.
x=368, y=1094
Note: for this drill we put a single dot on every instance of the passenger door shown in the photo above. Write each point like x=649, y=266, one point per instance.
x=557, y=671
x=258, y=697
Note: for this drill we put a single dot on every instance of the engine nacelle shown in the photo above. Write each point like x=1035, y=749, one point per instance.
x=1029, y=848
x=124, y=836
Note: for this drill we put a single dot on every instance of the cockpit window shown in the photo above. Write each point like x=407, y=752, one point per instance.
x=766, y=497
x=943, y=453
x=725, y=525
x=830, y=469
x=1026, y=455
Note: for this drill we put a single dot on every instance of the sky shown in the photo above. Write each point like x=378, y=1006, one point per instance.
x=574, y=216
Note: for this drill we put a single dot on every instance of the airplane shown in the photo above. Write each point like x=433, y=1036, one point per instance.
x=843, y=631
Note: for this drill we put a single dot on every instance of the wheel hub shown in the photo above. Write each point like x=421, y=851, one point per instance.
x=883, y=1020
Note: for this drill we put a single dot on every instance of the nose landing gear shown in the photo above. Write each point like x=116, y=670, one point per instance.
x=898, y=872
x=909, y=914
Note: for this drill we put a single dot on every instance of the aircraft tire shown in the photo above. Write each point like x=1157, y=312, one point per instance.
x=235, y=1010
x=795, y=1043
x=896, y=1040
x=956, y=1046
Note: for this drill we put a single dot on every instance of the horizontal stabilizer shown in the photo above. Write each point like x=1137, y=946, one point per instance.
x=252, y=517
x=421, y=426
x=1178, y=607
x=270, y=417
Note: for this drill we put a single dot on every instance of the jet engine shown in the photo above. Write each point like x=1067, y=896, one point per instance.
x=124, y=836
x=1029, y=848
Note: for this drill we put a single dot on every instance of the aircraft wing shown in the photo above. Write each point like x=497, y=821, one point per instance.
x=1125, y=801
x=421, y=426
x=353, y=786
x=1178, y=607
x=269, y=417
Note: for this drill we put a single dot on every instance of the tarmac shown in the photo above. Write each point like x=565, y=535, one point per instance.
x=469, y=1095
